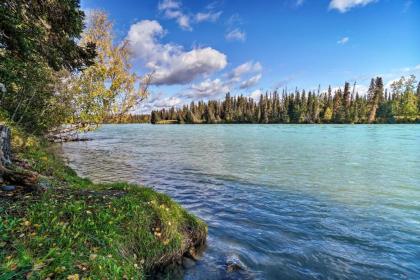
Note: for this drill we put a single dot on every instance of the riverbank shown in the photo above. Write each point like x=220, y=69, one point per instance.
x=72, y=228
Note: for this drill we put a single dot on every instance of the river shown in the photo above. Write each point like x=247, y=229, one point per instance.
x=290, y=201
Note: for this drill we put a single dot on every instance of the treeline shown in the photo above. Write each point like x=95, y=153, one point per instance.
x=130, y=118
x=344, y=105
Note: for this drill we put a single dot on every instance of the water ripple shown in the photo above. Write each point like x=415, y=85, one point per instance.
x=292, y=202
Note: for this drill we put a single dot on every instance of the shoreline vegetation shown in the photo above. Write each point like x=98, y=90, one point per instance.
x=61, y=74
x=70, y=228
x=400, y=104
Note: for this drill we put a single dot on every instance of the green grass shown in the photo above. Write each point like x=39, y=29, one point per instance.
x=78, y=229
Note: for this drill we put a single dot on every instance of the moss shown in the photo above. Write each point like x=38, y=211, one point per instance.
x=77, y=229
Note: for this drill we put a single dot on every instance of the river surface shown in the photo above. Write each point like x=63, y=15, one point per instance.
x=290, y=201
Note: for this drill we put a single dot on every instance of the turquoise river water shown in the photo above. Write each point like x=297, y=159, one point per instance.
x=288, y=201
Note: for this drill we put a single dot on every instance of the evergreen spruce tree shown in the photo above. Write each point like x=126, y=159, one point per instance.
x=190, y=118
x=418, y=96
x=356, y=113
x=209, y=115
x=378, y=90
x=337, y=107
x=346, y=103
x=154, y=118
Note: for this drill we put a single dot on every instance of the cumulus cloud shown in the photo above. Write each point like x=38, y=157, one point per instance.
x=251, y=81
x=236, y=35
x=207, y=88
x=170, y=63
x=345, y=5
x=159, y=101
x=243, y=76
x=213, y=88
x=343, y=41
x=166, y=102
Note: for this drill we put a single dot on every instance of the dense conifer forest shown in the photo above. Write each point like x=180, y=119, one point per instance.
x=399, y=104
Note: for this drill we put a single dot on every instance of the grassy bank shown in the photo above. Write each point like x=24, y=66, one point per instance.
x=76, y=229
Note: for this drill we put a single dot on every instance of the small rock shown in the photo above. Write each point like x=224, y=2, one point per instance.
x=192, y=254
x=233, y=263
x=8, y=188
x=187, y=263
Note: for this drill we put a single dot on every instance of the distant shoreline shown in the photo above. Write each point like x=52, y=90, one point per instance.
x=171, y=122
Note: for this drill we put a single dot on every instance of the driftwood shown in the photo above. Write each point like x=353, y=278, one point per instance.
x=23, y=178
x=70, y=133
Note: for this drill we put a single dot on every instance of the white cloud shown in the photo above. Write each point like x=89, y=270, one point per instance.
x=208, y=16
x=345, y=5
x=245, y=68
x=251, y=81
x=207, y=88
x=170, y=63
x=343, y=41
x=361, y=89
x=159, y=101
x=236, y=35
x=169, y=4
x=166, y=102
x=172, y=10
x=214, y=87
x=256, y=94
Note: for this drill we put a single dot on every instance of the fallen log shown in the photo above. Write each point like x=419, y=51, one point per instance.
x=10, y=173
x=25, y=178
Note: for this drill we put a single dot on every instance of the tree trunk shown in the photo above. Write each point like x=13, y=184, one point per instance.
x=372, y=115
x=5, y=150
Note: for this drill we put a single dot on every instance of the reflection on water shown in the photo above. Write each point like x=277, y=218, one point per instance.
x=291, y=201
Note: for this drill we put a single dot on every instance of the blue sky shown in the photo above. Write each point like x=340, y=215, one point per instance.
x=201, y=49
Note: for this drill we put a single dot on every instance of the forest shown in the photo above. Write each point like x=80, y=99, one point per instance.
x=399, y=104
